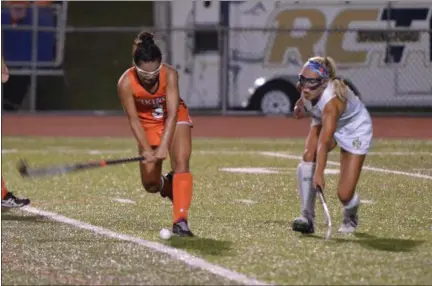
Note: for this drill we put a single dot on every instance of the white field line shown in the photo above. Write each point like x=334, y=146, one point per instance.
x=269, y=170
x=129, y=150
x=175, y=253
x=9, y=151
x=248, y=202
x=124, y=201
x=242, y=152
x=380, y=170
x=367, y=202
x=67, y=151
x=250, y=170
x=220, y=152
x=399, y=153
x=113, y=151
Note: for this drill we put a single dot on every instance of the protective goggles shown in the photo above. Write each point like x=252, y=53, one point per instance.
x=146, y=74
x=311, y=83
x=314, y=83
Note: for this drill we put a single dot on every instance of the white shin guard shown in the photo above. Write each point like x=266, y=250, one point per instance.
x=305, y=173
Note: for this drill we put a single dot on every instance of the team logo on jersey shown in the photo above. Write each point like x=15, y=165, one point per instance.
x=158, y=111
x=151, y=101
x=356, y=143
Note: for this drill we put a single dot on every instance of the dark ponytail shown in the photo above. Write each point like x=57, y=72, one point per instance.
x=145, y=49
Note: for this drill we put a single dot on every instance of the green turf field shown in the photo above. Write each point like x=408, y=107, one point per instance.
x=242, y=219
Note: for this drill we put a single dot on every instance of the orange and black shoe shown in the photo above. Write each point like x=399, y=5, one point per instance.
x=181, y=228
x=10, y=201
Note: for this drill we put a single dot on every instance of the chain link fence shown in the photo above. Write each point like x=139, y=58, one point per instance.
x=250, y=65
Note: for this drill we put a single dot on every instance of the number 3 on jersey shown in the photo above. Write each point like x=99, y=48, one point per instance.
x=158, y=111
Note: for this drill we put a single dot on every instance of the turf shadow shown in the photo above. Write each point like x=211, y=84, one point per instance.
x=206, y=246
x=373, y=242
x=387, y=244
x=31, y=218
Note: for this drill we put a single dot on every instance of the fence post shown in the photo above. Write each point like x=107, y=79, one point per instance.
x=168, y=15
x=34, y=58
x=224, y=55
x=389, y=56
x=224, y=70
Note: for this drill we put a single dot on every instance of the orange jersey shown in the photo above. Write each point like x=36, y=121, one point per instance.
x=151, y=107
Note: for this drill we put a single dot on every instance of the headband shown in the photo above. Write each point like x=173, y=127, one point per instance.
x=318, y=68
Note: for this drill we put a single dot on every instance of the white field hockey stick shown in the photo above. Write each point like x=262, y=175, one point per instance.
x=326, y=212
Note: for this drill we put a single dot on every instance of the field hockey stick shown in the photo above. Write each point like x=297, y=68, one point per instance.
x=326, y=212
x=26, y=171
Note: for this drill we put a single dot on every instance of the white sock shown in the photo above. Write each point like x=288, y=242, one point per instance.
x=305, y=172
x=354, y=202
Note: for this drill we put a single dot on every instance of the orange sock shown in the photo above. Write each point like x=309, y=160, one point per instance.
x=182, y=191
x=4, y=189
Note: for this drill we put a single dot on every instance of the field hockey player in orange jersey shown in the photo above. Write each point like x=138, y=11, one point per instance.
x=160, y=122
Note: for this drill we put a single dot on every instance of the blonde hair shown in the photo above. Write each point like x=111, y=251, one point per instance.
x=339, y=87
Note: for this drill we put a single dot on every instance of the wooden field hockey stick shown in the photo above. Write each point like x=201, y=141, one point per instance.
x=28, y=172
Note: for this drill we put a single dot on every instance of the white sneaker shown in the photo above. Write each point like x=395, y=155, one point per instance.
x=350, y=221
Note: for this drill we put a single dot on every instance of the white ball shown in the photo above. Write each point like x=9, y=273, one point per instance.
x=165, y=233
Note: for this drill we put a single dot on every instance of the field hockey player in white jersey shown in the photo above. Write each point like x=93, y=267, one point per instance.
x=338, y=118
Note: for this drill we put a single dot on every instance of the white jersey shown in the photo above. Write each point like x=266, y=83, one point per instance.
x=354, y=127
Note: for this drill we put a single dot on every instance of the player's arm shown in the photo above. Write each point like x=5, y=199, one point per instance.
x=299, y=110
x=331, y=113
x=124, y=91
x=172, y=103
x=4, y=71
